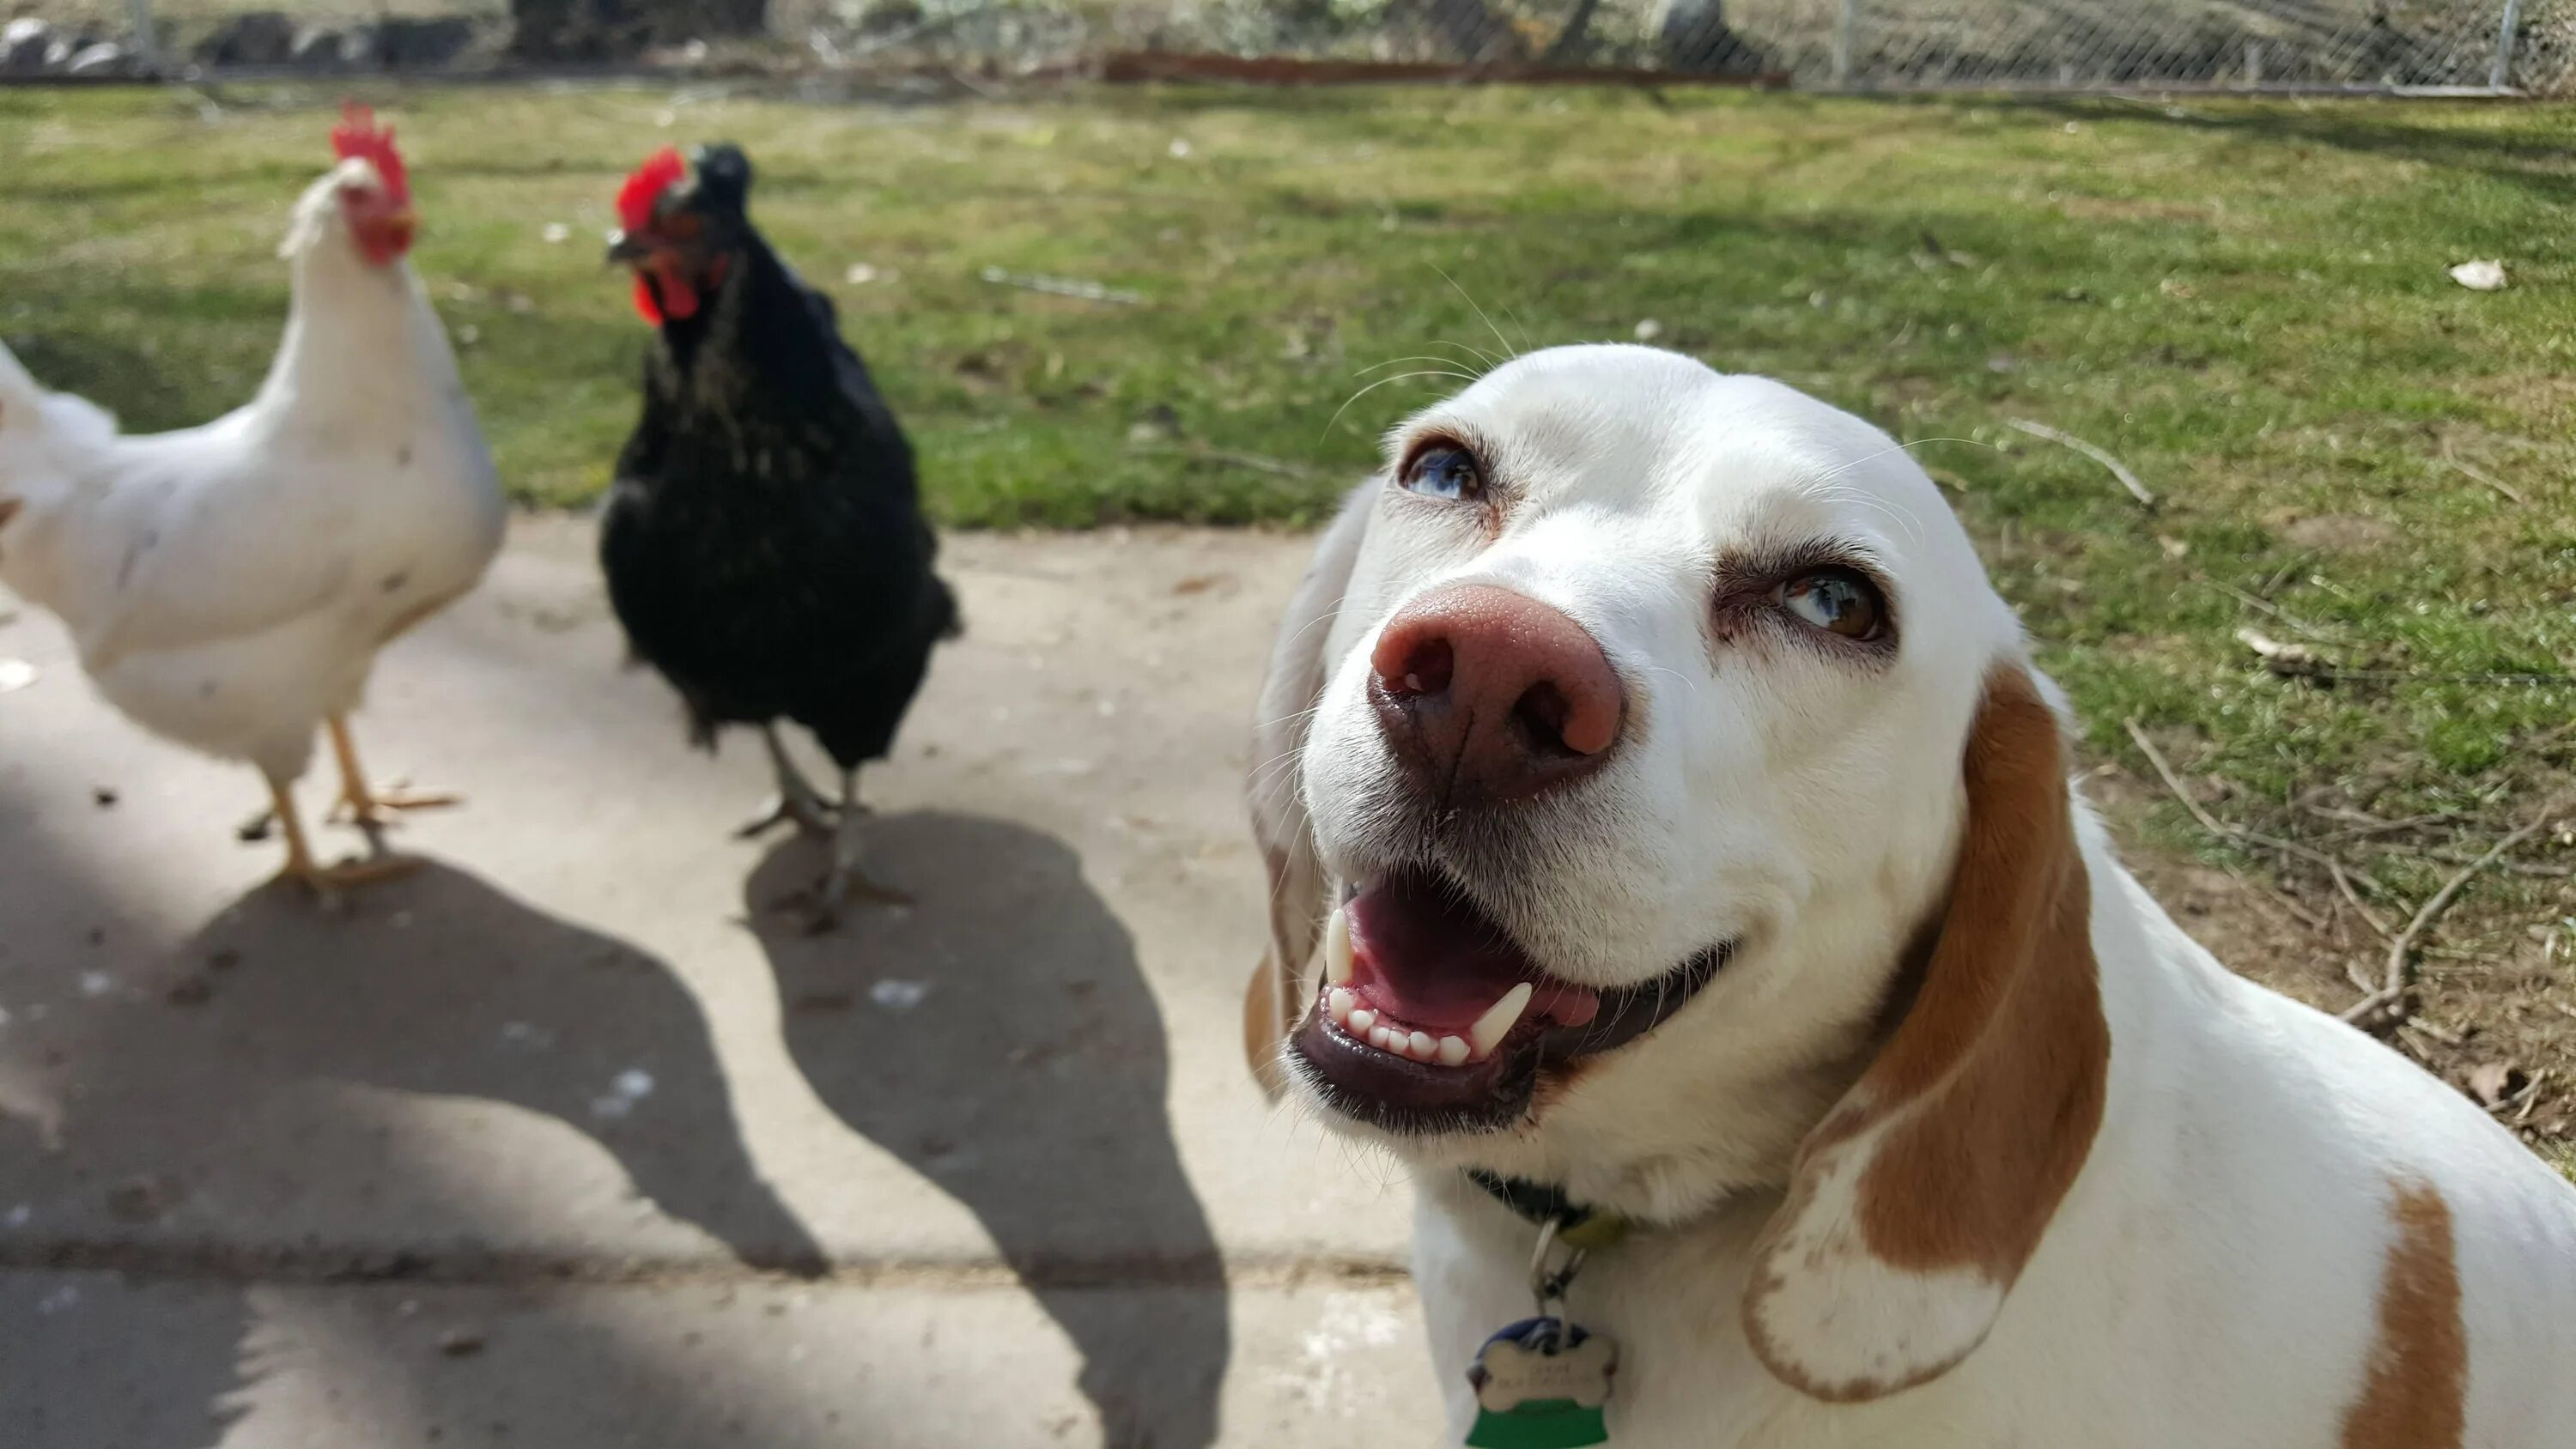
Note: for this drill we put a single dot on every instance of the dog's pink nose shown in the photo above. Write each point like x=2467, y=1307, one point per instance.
x=1489, y=695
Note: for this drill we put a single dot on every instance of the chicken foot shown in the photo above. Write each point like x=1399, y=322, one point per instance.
x=798, y=802
x=325, y=881
x=848, y=879
x=818, y=907
x=365, y=805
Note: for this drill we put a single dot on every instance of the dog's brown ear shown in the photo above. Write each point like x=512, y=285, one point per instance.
x=1914, y=1205
x=1279, y=824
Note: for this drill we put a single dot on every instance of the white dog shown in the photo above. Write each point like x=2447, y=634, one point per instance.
x=1666, y=824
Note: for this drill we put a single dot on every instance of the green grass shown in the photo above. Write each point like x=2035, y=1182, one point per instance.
x=2246, y=302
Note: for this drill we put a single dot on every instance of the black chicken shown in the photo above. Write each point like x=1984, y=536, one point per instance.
x=764, y=543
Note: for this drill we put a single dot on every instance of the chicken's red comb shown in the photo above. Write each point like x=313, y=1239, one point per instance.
x=635, y=199
x=357, y=135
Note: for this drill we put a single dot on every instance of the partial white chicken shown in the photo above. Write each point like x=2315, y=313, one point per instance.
x=229, y=585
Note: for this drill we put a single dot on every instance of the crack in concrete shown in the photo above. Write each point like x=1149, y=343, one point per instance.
x=468, y=1266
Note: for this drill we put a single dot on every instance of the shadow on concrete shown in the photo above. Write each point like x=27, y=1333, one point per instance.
x=1000, y=1038
x=156, y=1131
x=436, y=984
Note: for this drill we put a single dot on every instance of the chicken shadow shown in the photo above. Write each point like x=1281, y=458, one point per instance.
x=1001, y=1040
x=215, y=1092
x=212, y=1087
x=440, y=985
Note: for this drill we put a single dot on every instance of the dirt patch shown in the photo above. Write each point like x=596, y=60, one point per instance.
x=2132, y=208
x=2340, y=532
x=2544, y=395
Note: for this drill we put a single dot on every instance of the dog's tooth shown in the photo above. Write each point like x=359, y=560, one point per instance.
x=1382, y=1038
x=1339, y=1002
x=1360, y=1020
x=1337, y=948
x=1453, y=1051
x=1421, y=1047
x=1498, y=1020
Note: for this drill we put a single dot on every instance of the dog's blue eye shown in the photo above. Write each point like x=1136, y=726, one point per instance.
x=1839, y=601
x=1448, y=473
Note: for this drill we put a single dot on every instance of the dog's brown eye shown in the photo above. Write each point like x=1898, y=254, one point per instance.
x=1837, y=600
x=1446, y=473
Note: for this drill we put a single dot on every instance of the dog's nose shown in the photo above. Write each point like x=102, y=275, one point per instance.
x=1489, y=695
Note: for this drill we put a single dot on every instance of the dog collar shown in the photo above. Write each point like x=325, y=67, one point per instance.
x=1544, y=1204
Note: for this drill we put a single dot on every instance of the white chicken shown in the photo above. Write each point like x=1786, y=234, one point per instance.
x=229, y=585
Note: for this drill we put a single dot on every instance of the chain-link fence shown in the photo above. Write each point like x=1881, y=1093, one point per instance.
x=2252, y=45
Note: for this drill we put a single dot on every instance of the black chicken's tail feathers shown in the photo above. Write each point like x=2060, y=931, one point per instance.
x=952, y=623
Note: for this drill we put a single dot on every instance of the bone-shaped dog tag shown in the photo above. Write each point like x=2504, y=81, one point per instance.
x=1542, y=1384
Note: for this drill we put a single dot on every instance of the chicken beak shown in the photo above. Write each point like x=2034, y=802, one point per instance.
x=400, y=226
x=626, y=248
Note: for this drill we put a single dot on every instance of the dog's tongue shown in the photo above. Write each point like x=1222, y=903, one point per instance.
x=1423, y=954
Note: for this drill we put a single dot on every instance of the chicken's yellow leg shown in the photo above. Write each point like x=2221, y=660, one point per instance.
x=363, y=804
x=322, y=879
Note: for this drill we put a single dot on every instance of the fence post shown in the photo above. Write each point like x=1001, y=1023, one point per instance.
x=2500, y=74
x=147, y=48
x=1843, y=24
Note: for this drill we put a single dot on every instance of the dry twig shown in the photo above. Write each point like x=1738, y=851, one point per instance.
x=2363, y=824
x=2256, y=601
x=2442, y=1034
x=1077, y=288
x=1251, y=462
x=2479, y=474
x=2390, y=998
x=2531, y=1096
x=2369, y=917
x=2118, y=469
x=2217, y=827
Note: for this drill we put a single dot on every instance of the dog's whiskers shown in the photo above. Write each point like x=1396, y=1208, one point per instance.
x=1508, y=350
x=1486, y=361
x=1912, y=524
x=1445, y=362
x=1382, y=382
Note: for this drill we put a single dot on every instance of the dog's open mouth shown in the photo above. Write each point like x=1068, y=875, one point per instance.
x=1432, y=1019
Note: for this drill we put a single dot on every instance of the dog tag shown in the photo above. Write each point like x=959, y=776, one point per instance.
x=1542, y=1384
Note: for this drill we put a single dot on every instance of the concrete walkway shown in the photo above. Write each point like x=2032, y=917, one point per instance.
x=572, y=1140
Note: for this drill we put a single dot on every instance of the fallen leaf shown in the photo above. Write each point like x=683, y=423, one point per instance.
x=2290, y=661
x=2486, y=276
x=2494, y=1083
x=461, y=1343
